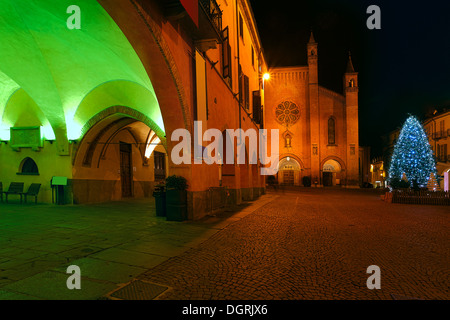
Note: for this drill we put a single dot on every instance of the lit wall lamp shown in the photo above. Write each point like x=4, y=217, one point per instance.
x=266, y=77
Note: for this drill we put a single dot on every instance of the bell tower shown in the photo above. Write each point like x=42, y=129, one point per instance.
x=351, y=88
x=313, y=60
x=313, y=83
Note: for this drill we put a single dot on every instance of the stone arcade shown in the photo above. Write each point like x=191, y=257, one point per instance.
x=98, y=103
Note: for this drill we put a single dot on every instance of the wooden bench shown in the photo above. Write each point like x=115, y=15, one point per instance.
x=14, y=188
x=33, y=191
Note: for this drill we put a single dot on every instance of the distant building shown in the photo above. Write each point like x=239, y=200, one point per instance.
x=377, y=173
x=438, y=131
x=364, y=166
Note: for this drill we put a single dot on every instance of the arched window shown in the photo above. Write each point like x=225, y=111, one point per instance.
x=28, y=166
x=351, y=83
x=331, y=131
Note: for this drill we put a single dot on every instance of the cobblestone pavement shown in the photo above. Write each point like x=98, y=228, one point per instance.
x=317, y=244
x=111, y=243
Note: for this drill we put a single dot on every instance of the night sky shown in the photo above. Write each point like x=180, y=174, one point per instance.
x=404, y=68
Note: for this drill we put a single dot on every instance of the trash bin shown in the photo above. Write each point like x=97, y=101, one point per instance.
x=176, y=198
x=58, y=185
x=160, y=201
x=176, y=204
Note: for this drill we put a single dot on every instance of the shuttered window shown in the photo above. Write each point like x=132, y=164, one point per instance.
x=241, y=85
x=241, y=27
x=226, y=55
x=246, y=93
x=257, y=106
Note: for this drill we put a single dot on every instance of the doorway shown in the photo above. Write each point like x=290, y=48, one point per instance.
x=126, y=172
x=331, y=174
x=160, y=165
x=288, y=177
x=327, y=179
x=289, y=172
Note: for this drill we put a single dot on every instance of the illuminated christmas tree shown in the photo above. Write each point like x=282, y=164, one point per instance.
x=412, y=155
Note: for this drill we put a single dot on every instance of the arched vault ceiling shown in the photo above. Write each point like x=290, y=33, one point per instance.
x=58, y=67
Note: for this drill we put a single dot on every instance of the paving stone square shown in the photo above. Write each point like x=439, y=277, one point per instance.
x=318, y=244
x=292, y=244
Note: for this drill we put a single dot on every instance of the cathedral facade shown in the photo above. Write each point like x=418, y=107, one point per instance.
x=318, y=128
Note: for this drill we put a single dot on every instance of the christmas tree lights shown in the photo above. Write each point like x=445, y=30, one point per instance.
x=412, y=155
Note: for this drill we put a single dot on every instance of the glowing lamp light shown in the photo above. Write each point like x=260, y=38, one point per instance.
x=47, y=132
x=73, y=131
x=4, y=134
x=152, y=142
x=266, y=76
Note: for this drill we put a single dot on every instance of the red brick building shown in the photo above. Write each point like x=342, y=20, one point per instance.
x=318, y=127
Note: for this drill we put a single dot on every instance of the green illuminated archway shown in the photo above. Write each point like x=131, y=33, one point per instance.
x=68, y=75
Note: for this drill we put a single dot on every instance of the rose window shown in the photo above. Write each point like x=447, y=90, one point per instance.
x=287, y=113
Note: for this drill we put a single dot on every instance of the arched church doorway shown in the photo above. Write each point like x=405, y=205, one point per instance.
x=119, y=157
x=289, y=172
x=331, y=173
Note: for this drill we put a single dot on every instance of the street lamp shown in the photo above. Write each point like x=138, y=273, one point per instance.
x=266, y=76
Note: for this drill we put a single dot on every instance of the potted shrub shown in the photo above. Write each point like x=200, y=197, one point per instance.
x=176, y=198
x=160, y=199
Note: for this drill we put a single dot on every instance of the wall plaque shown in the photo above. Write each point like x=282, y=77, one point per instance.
x=26, y=137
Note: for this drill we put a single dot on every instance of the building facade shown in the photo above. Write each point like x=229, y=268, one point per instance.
x=437, y=128
x=377, y=173
x=318, y=127
x=96, y=92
